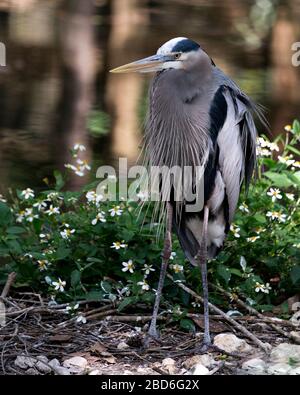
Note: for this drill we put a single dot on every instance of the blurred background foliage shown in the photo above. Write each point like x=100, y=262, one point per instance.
x=56, y=89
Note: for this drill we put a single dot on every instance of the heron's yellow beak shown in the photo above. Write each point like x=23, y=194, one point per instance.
x=151, y=64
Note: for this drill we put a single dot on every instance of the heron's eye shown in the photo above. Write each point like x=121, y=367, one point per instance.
x=177, y=56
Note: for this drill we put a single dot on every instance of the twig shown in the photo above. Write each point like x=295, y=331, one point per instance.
x=10, y=280
x=269, y=320
x=132, y=318
x=215, y=309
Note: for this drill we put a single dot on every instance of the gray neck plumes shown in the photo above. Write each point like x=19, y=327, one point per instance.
x=178, y=120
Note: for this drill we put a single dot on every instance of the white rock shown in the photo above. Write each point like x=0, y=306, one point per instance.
x=54, y=363
x=32, y=372
x=295, y=371
x=286, y=352
x=42, y=358
x=279, y=369
x=169, y=364
x=205, y=359
x=43, y=368
x=75, y=364
x=60, y=370
x=200, y=370
x=95, y=372
x=254, y=366
x=231, y=343
x=122, y=346
x=25, y=362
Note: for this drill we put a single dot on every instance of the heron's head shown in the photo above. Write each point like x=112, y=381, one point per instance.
x=178, y=53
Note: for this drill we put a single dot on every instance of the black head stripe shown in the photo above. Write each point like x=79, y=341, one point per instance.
x=185, y=46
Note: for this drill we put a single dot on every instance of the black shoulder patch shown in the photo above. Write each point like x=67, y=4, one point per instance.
x=186, y=46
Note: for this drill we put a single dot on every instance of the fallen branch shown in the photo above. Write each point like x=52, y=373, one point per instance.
x=10, y=280
x=269, y=320
x=265, y=347
x=133, y=318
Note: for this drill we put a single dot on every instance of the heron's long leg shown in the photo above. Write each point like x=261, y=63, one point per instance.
x=165, y=259
x=202, y=259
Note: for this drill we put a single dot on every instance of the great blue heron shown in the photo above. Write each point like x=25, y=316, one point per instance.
x=198, y=116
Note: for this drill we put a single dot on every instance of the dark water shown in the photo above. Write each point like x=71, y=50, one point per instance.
x=56, y=89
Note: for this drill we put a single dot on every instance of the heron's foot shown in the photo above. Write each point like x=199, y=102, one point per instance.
x=153, y=334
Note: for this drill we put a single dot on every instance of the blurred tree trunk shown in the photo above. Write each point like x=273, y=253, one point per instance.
x=285, y=77
x=76, y=38
x=124, y=91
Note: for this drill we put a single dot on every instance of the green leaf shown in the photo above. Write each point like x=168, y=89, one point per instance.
x=293, y=149
x=75, y=278
x=295, y=274
x=59, y=181
x=62, y=252
x=126, y=302
x=224, y=272
x=280, y=180
x=5, y=215
x=15, y=230
x=187, y=325
x=296, y=127
x=260, y=218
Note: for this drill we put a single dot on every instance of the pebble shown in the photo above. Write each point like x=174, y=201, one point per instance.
x=231, y=343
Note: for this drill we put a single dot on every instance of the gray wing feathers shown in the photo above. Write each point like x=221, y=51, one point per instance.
x=237, y=144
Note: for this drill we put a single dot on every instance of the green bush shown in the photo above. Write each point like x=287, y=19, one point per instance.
x=72, y=245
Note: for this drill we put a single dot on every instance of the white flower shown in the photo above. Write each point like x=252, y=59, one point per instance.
x=117, y=245
x=177, y=268
x=72, y=199
x=282, y=217
x=288, y=160
x=99, y=217
x=128, y=266
x=79, y=147
x=263, y=152
x=262, y=288
x=59, y=285
x=93, y=197
x=2, y=199
x=243, y=207
x=78, y=170
x=296, y=164
x=40, y=205
x=235, y=230
x=66, y=233
x=71, y=308
x=27, y=193
x=173, y=256
x=290, y=196
x=116, y=210
x=288, y=128
x=252, y=239
x=275, y=193
x=276, y=215
x=52, y=210
x=273, y=147
x=261, y=142
x=83, y=165
x=42, y=235
x=145, y=286
x=147, y=269
x=53, y=196
x=20, y=216
x=28, y=255
x=81, y=319
x=43, y=264
x=29, y=215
